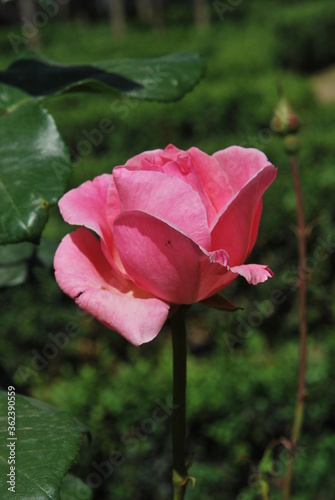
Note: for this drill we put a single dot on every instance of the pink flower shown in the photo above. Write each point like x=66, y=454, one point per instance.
x=174, y=227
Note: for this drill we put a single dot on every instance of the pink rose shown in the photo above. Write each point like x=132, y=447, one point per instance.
x=174, y=227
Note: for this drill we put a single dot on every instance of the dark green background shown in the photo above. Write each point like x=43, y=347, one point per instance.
x=242, y=377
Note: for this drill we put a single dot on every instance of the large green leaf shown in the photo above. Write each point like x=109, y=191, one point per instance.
x=46, y=445
x=41, y=78
x=163, y=78
x=34, y=169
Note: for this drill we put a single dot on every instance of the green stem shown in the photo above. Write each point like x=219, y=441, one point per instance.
x=180, y=477
x=300, y=404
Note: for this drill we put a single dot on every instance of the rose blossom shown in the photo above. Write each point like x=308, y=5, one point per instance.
x=174, y=227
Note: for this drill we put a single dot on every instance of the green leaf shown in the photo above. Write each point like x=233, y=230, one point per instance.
x=163, y=78
x=10, y=96
x=46, y=445
x=40, y=78
x=34, y=171
x=73, y=488
x=14, y=263
x=13, y=275
x=16, y=260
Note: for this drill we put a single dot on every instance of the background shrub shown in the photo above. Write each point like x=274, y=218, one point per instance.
x=241, y=389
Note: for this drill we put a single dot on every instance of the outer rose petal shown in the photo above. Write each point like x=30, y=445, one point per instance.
x=157, y=257
x=236, y=227
x=167, y=262
x=166, y=198
x=253, y=273
x=255, y=226
x=86, y=205
x=95, y=204
x=240, y=165
x=82, y=272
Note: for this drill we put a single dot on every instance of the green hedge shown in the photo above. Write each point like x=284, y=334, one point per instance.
x=305, y=36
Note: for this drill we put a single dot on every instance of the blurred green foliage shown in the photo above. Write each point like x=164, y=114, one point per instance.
x=306, y=41
x=242, y=367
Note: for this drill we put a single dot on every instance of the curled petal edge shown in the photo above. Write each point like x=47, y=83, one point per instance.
x=253, y=273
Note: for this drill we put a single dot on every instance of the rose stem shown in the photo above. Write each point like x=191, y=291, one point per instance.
x=179, y=349
x=300, y=403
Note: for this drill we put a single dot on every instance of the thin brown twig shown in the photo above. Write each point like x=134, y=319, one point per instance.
x=300, y=403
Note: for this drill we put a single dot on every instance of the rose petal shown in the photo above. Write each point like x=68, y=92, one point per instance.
x=86, y=205
x=177, y=163
x=183, y=167
x=255, y=226
x=95, y=204
x=166, y=198
x=253, y=273
x=82, y=272
x=152, y=158
x=213, y=177
x=236, y=226
x=167, y=262
x=240, y=165
x=158, y=258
